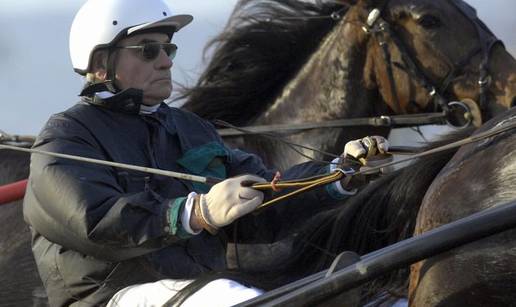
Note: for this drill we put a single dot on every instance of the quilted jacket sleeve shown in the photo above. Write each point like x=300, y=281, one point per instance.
x=84, y=207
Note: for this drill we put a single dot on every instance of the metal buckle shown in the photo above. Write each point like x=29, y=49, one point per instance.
x=335, y=16
x=386, y=120
x=459, y=115
x=484, y=81
x=432, y=92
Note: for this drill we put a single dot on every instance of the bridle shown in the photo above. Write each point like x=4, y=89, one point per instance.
x=382, y=30
x=457, y=114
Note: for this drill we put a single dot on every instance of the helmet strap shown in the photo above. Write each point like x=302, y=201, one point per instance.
x=111, y=72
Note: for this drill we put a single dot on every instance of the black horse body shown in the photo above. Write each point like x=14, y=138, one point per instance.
x=482, y=273
x=476, y=177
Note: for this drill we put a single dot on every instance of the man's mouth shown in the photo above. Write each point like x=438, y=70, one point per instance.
x=163, y=79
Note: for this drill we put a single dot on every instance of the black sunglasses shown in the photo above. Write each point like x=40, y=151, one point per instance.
x=150, y=51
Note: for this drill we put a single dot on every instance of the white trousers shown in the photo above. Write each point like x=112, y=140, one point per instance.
x=220, y=292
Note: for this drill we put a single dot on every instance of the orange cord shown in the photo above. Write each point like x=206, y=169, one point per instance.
x=274, y=181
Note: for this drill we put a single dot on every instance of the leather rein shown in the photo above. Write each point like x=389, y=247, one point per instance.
x=306, y=184
x=303, y=185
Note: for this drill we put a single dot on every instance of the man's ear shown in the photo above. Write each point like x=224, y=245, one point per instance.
x=99, y=64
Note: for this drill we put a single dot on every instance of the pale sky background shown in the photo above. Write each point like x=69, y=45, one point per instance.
x=36, y=76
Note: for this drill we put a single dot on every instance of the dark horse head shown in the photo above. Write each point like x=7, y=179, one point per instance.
x=295, y=62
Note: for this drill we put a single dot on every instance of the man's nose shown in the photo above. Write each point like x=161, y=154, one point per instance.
x=163, y=61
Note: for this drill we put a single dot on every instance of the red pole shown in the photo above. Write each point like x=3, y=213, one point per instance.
x=13, y=191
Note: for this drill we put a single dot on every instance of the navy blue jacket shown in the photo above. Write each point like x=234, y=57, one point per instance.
x=98, y=229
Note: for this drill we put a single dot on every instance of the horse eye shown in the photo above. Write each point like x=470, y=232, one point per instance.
x=429, y=21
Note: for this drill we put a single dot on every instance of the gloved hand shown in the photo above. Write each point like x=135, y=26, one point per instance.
x=227, y=201
x=365, y=148
x=361, y=150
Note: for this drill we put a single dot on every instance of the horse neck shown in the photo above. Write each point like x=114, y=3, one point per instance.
x=329, y=86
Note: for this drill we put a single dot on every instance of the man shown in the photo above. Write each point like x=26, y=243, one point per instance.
x=97, y=230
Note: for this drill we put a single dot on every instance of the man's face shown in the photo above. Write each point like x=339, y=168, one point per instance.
x=151, y=76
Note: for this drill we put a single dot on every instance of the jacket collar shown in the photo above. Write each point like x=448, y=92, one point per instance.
x=105, y=96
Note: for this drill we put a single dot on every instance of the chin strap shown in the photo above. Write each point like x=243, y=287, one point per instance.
x=126, y=101
x=110, y=71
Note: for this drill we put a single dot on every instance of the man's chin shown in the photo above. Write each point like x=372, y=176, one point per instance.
x=155, y=99
x=162, y=86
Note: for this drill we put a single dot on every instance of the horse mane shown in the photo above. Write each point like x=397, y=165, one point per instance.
x=263, y=45
x=381, y=214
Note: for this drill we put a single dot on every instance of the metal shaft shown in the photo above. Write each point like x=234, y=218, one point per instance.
x=207, y=180
x=441, y=239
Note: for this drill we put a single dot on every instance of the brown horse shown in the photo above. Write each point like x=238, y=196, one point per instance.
x=276, y=62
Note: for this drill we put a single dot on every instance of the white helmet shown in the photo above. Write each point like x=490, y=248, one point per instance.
x=102, y=23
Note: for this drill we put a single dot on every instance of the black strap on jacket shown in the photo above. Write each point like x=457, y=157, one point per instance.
x=126, y=101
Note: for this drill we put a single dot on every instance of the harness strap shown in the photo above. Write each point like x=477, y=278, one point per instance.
x=306, y=184
x=313, y=182
x=392, y=81
x=487, y=40
x=378, y=121
x=456, y=67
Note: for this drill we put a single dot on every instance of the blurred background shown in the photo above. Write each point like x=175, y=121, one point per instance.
x=37, y=79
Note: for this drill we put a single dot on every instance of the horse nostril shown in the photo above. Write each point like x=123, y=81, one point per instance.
x=513, y=102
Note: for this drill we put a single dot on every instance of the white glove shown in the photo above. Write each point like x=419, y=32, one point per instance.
x=229, y=200
x=366, y=147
